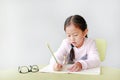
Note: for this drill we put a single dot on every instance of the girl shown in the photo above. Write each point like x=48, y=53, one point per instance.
x=76, y=49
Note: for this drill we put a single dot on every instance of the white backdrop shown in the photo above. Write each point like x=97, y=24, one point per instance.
x=25, y=26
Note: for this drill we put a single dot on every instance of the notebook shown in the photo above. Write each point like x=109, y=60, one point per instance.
x=49, y=69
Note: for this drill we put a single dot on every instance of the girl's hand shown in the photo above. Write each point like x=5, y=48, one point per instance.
x=57, y=67
x=76, y=67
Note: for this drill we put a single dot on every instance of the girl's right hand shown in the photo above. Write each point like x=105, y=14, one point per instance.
x=57, y=67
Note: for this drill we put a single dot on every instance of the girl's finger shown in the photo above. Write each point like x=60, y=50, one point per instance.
x=76, y=69
x=59, y=66
x=73, y=68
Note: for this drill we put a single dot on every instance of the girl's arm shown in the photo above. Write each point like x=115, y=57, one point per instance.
x=93, y=59
x=59, y=54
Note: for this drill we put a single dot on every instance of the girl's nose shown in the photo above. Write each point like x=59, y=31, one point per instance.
x=72, y=38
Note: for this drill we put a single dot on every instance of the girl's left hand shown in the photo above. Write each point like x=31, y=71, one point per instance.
x=76, y=67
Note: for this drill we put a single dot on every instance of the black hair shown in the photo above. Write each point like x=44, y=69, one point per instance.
x=80, y=23
x=72, y=55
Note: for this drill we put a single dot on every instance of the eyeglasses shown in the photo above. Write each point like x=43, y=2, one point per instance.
x=26, y=69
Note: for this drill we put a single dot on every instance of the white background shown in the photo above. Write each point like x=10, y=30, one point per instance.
x=25, y=26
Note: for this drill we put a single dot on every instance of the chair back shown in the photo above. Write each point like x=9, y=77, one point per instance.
x=101, y=46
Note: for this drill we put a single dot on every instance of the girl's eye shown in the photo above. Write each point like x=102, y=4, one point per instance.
x=76, y=35
x=68, y=35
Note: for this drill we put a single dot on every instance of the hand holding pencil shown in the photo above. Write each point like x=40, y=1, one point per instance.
x=57, y=66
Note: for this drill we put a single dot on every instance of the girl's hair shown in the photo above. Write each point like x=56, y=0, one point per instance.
x=72, y=55
x=78, y=21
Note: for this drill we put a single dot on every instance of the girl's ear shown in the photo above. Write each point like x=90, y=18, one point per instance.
x=85, y=32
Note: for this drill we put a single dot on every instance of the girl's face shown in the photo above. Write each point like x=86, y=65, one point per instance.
x=75, y=35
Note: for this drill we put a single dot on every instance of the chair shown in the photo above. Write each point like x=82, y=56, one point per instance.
x=101, y=46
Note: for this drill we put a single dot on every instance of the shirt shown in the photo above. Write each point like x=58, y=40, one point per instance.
x=87, y=54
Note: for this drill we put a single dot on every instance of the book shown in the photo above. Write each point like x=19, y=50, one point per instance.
x=92, y=71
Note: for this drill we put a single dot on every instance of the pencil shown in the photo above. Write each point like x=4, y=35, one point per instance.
x=52, y=52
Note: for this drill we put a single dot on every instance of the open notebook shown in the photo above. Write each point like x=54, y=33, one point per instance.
x=93, y=71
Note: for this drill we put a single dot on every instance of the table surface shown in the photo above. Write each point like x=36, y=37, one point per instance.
x=107, y=73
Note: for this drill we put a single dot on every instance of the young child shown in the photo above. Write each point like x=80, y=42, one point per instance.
x=76, y=49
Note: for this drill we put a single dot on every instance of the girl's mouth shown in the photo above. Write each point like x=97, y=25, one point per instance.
x=74, y=43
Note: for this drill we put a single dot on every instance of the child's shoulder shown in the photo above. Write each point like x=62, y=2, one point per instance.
x=66, y=41
x=89, y=40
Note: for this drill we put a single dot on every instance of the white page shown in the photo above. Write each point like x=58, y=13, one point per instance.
x=93, y=71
